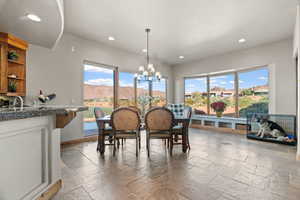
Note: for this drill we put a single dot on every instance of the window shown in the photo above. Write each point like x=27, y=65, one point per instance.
x=98, y=92
x=222, y=89
x=253, y=91
x=102, y=88
x=242, y=91
x=126, y=89
x=159, y=92
x=196, y=94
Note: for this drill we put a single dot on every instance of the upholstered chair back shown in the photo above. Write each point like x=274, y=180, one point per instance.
x=159, y=118
x=136, y=109
x=125, y=119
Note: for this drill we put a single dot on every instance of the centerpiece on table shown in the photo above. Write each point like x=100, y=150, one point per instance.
x=144, y=101
x=219, y=107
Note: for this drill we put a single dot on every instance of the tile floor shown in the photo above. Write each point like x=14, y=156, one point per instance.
x=219, y=166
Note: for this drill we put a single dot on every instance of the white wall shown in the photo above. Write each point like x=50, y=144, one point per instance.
x=61, y=71
x=277, y=55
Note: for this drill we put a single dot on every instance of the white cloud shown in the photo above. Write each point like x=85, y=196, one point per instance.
x=262, y=78
x=215, y=85
x=240, y=81
x=232, y=82
x=91, y=68
x=190, y=88
x=223, y=82
x=100, y=81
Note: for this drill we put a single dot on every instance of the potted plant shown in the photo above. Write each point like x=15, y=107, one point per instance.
x=12, y=86
x=218, y=107
x=12, y=55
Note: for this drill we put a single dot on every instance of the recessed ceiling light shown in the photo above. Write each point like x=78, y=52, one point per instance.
x=111, y=38
x=242, y=40
x=144, y=50
x=181, y=57
x=33, y=17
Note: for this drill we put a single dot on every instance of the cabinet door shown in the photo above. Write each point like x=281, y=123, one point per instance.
x=3, y=68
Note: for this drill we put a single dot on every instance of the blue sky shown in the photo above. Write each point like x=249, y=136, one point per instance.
x=246, y=80
x=95, y=75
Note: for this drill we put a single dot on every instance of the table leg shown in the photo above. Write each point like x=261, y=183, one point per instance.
x=100, y=146
x=184, y=136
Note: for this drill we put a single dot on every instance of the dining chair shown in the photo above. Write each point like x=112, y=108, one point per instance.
x=159, y=123
x=135, y=108
x=126, y=125
x=178, y=130
x=107, y=130
x=141, y=124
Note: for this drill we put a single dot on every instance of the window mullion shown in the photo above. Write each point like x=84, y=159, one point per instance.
x=116, y=88
x=135, y=91
x=236, y=91
x=208, y=95
x=150, y=92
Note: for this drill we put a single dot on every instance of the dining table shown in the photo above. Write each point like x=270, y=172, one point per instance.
x=102, y=121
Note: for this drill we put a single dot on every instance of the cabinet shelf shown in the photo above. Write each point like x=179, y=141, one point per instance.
x=19, y=79
x=15, y=62
x=14, y=94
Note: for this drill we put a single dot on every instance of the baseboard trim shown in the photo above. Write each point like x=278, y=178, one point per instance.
x=51, y=191
x=80, y=140
x=220, y=129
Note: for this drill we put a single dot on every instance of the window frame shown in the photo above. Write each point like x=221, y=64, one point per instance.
x=236, y=84
x=116, y=79
x=166, y=89
x=253, y=69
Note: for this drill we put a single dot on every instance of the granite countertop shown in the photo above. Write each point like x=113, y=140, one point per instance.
x=37, y=111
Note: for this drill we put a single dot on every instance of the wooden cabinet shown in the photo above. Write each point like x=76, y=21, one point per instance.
x=12, y=71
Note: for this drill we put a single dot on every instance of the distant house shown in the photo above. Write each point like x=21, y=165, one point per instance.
x=188, y=95
x=222, y=92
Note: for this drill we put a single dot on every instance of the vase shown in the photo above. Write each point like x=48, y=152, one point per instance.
x=219, y=114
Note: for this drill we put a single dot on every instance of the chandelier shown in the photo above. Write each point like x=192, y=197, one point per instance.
x=147, y=73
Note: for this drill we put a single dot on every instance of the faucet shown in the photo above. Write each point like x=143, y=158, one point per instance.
x=21, y=101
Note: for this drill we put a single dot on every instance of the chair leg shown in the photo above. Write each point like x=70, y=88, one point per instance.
x=148, y=146
x=188, y=141
x=139, y=142
x=118, y=143
x=136, y=146
x=114, y=151
x=171, y=145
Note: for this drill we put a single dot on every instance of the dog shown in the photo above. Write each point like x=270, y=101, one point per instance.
x=267, y=127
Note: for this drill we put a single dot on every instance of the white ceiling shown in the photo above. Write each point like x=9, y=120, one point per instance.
x=46, y=33
x=193, y=28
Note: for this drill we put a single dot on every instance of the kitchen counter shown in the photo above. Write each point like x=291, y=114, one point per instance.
x=37, y=111
x=30, y=150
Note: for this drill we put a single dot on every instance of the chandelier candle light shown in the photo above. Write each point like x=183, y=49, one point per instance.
x=147, y=73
